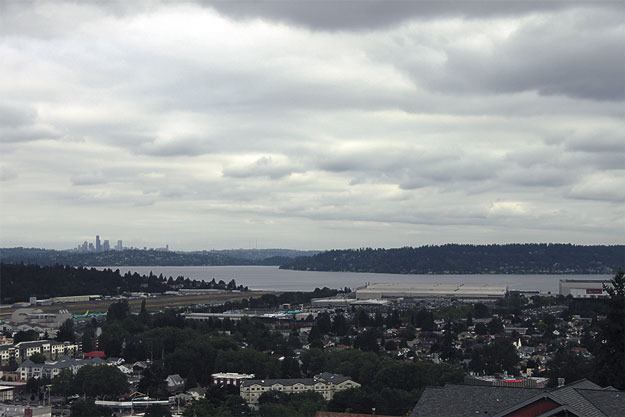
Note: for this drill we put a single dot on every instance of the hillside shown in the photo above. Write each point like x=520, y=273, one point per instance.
x=470, y=259
x=136, y=257
x=19, y=282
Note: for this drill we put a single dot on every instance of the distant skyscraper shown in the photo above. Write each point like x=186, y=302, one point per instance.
x=119, y=246
x=106, y=246
x=98, y=247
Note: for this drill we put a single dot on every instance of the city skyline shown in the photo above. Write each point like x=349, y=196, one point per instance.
x=213, y=124
x=104, y=245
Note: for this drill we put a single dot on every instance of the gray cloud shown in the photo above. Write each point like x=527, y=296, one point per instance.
x=265, y=166
x=375, y=14
x=578, y=55
x=19, y=124
x=364, y=123
x=7, y=173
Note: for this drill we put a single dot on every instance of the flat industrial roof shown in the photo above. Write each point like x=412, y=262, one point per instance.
x=433, y=288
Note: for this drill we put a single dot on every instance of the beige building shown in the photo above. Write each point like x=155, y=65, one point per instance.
x=325, y=384
x=8, y=352
x=49, y=348
x=6, y=393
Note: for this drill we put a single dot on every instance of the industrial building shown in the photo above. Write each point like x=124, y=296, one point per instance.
x=584, y=288
x=428, y=291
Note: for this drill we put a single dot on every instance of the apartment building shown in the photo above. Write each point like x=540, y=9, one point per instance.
x=326, y=384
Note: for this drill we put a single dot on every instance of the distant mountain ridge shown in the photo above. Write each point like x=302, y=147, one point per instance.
x=137, y=257
x=531, y=258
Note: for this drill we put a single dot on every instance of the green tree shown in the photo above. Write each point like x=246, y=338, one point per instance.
x=66, y=332
x=481, y=329
x=157, y=411
x=469, y=319
x=498, y=356
x=25, y=336
x=63, y=383
x=289, y=368
x=568, y=365
x=88, y=339
x=100, y=381
x=37, y=357
x=367, y=341
x=143, y=312
x=610, y=350
x=87, y=408
x=495, y=326
x=191, y=380
x=339, y=325
x=218, y=403
x=481, y=311
x=278, y=404
x=118, y=310
x=153, y=381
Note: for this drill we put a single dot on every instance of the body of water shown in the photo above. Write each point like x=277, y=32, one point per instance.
x=275, y=279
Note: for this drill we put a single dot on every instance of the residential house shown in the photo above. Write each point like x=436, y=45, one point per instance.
x=579, y=399
x=175, y=383
x=29, y=369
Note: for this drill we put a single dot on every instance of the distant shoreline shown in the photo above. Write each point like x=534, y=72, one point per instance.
x=278, y=267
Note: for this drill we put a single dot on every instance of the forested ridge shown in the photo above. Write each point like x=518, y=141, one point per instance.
x=19, y=282
x=150, y=257
x=470, y=259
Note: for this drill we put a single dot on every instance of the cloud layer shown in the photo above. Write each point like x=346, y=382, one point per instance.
x=311, y=124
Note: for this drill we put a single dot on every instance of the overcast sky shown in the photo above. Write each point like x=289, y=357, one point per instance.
x=311, y=124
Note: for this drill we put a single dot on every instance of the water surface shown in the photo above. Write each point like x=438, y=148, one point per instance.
x=275, y=279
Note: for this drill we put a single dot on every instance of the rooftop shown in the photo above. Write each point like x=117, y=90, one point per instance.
x=581, y=398
x=322, y=377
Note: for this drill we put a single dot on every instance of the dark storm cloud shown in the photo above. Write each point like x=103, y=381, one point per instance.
x=579, y=55
x=376, y=14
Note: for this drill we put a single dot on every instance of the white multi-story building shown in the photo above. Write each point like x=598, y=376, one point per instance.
x=8, y=352
x=49, y=348
x=230, y=378
x=326, y=384
x=28, y=369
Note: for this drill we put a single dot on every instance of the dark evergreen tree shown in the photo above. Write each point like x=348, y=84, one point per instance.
x=66, y=332
x=610, y=350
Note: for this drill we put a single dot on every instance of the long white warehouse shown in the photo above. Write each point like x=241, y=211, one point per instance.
x=584, y=288
x=419, y=290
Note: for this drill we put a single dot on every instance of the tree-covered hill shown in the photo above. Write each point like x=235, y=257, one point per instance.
x=137, y=257
x=470, y=259
x=19, y=282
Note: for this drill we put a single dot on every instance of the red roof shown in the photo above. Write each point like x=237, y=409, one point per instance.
x=95, y=354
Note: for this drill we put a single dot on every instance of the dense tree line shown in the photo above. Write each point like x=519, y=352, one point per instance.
x=19, y=282
x=105, y=382
x=195, y=350
x=150, y=257
x=469, y=259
